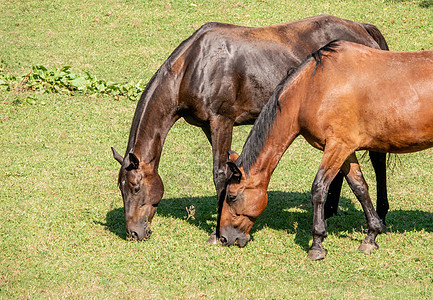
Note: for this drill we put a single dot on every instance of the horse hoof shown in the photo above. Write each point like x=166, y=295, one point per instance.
x=367, y=247
x=317, y=254
x=382, y=223
x=212, y=239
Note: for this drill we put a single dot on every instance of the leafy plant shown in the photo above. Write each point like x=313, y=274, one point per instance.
x=63, y=80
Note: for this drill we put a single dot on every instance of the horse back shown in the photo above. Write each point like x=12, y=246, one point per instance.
x=381, y=100
x=232, y=70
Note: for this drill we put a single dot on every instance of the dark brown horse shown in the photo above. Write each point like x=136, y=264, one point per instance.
x=220, y=77
x=357, y=99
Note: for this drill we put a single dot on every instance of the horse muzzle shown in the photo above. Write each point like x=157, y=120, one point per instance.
x=139, y=233
x=232, y=236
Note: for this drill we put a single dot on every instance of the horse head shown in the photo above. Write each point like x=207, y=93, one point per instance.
x=142, y=190
x=244, y=202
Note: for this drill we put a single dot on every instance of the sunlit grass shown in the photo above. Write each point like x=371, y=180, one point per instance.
x=62, y=232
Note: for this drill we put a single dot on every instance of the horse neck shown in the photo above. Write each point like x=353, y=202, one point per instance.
x=285, y=128
x=267, y=161
x=155, y=114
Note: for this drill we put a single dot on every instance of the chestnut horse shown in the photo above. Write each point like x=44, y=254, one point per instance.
x=359, y=98
x=218, y=78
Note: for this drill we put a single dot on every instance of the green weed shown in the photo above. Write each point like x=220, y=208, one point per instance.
x=63, y=80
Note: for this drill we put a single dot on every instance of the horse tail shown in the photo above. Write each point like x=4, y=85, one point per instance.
x=376, y=35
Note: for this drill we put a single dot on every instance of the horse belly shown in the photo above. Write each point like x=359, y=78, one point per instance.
x=402, y=142
x=405, y=123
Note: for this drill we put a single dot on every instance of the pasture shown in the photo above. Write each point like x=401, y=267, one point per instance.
x=62, y=232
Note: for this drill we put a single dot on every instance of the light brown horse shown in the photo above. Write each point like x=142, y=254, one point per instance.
x=345, y=97
x=220, y=77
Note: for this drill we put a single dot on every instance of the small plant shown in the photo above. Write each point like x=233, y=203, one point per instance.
x=191, y=212
x=63, y=80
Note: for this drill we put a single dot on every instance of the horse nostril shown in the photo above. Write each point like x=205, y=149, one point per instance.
x=147, y=234
x=134, y=235
x=223, y=240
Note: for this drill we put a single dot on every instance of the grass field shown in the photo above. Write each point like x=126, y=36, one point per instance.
x=62, y=233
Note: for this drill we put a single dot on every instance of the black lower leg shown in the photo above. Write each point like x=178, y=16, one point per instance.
x=378, y=161
x=318, y=192
x=331, y=204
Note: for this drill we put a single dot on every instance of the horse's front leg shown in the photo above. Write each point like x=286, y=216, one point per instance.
x=359, y=186
x=331, y=203
x=219, y=134
x=318, y=193
x=332, y=160
x=378, y=161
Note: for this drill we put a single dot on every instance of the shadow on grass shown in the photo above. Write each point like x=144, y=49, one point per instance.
x=426, y=3
x=423, y=3
x=291, y=212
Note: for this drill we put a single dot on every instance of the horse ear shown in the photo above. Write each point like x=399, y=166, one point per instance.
x=234, y=168
x=233, y=156
x=117, y=156
x=134, y=162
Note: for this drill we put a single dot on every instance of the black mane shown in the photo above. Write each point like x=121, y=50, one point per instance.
x=257, y=137
x=330, y=47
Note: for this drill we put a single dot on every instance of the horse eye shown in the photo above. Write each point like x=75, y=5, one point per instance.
x=232, y=198
x=136, y=189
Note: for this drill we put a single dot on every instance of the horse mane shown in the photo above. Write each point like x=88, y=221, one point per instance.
x=318, y=55
x=262, y=126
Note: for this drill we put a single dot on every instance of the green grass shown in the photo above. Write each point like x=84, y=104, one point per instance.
x=62, y=232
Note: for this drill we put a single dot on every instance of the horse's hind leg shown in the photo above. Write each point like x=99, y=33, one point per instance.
x=378, y=161
x=357, y=183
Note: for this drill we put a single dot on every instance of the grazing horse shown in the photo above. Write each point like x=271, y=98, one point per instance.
x=218, y=78
x=345, y=97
